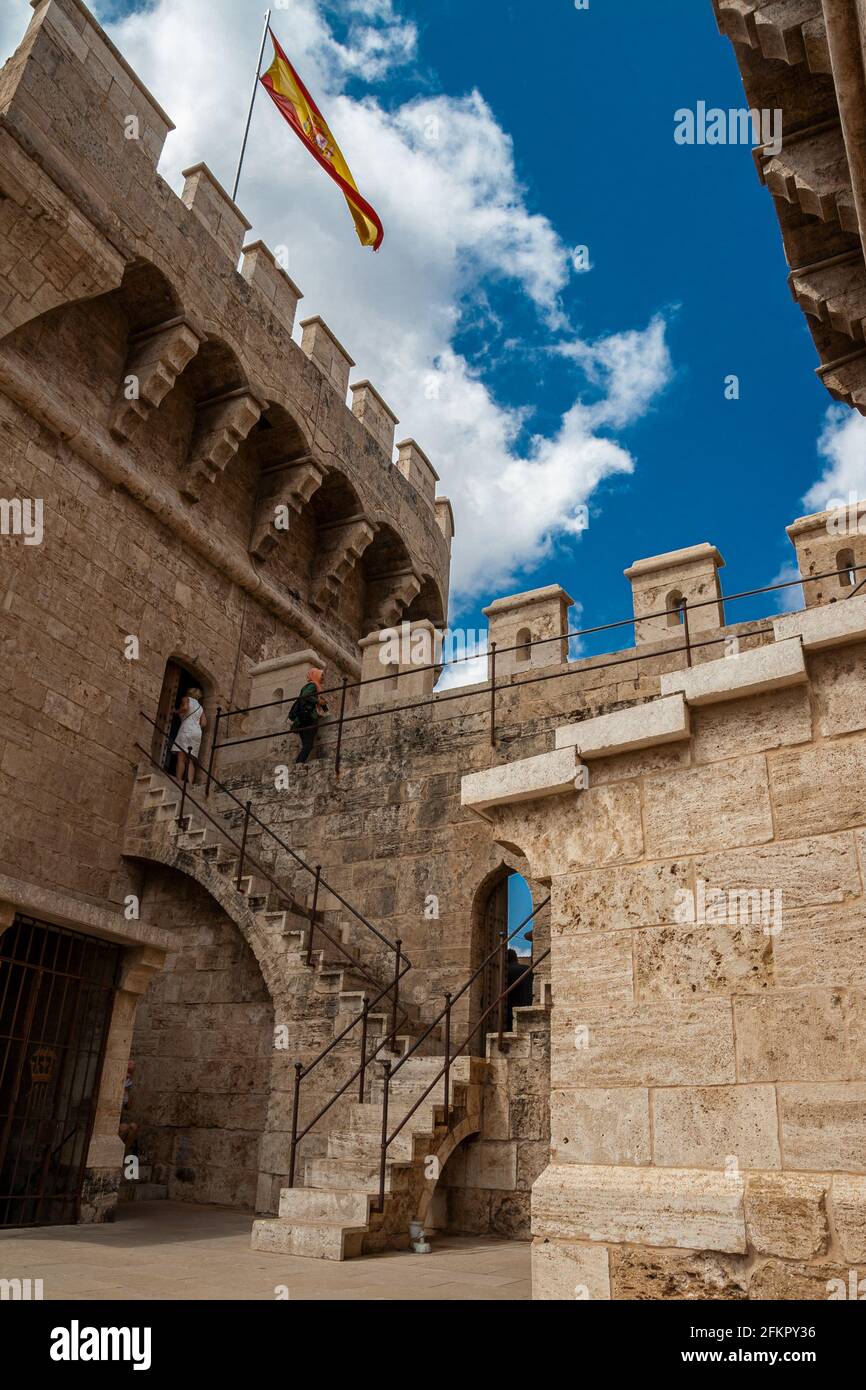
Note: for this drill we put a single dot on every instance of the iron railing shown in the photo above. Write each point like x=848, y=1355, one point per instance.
x=402, y=961
x=499, y=1004
x=488, y=689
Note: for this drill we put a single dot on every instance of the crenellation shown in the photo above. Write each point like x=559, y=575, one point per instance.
x=373, y=412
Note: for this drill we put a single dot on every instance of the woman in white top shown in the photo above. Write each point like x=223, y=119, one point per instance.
x=188, y=740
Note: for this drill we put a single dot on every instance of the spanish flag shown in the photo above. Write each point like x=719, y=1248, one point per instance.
x=293, y=100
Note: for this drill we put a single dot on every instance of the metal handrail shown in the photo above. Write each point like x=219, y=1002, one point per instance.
x=250, y=815
x=563, y=637
x=359, y=1074
x=500, y=946
x=444, y=1072
x=688, y=646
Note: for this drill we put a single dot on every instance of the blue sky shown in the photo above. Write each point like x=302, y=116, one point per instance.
x=558, y=389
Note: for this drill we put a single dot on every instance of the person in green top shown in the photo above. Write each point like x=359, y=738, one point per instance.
x=304, y=713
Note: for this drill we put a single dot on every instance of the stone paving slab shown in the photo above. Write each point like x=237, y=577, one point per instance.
x=167, y=1250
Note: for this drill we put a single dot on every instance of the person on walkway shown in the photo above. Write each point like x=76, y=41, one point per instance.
x=304, y=713
x=187, y=741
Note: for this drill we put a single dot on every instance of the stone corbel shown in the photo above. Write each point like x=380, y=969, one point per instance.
x=155, y=360
x=392, y=595
x=222, y=425
x=345, y=543
x=290, y=484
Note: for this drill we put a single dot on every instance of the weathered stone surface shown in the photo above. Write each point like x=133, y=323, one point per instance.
x=599, y=826
x=823, y=1126
x=594, y=969
x=623, y=731
x=837, y=685
x=822, y=869
x=606, y=1126
x=640, y=1206
x=819, y=789
x=744, y=673
x=708, y=808
x=565, y=1269
x=822, y=946
x=609, y=899
x=776, y=1280
x=654, y=1044
x=831, y=625
x=849, y=1216
x=669, y=1274
x=751, y=725
x=802, y=1035
x=705, y=1127
x=685, y=962
x=548, y=774
x=787, y=1216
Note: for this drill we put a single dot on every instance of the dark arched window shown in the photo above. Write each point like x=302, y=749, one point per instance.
x=675, y=603
x=524, y=645
x=845, y=563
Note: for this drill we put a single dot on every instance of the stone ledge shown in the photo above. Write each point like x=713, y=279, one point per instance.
x=548, y=774
x=679, y=1207
x=750, y=673
x=830, y=625
x=623, y=731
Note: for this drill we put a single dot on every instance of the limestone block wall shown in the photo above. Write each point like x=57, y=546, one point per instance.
x=708, y=1051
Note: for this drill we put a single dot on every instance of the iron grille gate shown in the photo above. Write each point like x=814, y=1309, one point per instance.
x=56, y=991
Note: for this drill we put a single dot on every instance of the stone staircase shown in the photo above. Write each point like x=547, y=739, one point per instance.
x=334, y=1215
x=153, y=831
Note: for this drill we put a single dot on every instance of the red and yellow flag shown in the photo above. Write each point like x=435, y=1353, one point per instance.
x=292, y=99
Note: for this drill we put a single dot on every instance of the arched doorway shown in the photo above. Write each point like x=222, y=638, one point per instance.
x=502, y=905
x=180, y=677
x=201, y=1052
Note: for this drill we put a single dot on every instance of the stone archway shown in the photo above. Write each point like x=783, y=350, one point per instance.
x=202, y=1049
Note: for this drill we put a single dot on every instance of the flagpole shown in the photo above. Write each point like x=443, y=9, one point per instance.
x=252, y=104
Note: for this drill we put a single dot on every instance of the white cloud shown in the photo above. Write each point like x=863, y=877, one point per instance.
x=842, y=444
x=441, y=172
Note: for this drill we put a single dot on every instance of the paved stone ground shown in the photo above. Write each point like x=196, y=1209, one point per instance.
x=163, y=1250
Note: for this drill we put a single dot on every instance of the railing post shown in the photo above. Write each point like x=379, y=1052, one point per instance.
x=447, y=1054
x=295, y=1105
x=685, y=610
x=503, y=956
x=313, y=914
x=493, y=695
x=386, y=1082
x=397, y=963
x=340, y=727
x=213, y=748
x=183, y=790
x=243, y=846
x=363, y=1049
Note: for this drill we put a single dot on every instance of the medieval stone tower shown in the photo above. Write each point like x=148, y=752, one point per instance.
x=302, y=962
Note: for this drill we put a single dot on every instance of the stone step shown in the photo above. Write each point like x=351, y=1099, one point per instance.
x=320, y=1240
x=364, y=1146
x=811, y=171
x=343, y=1206
x=357, y=1173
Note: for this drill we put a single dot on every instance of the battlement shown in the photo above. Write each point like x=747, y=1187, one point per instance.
x=208, y=316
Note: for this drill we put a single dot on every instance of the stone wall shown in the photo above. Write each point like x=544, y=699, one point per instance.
x=708, y=1070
